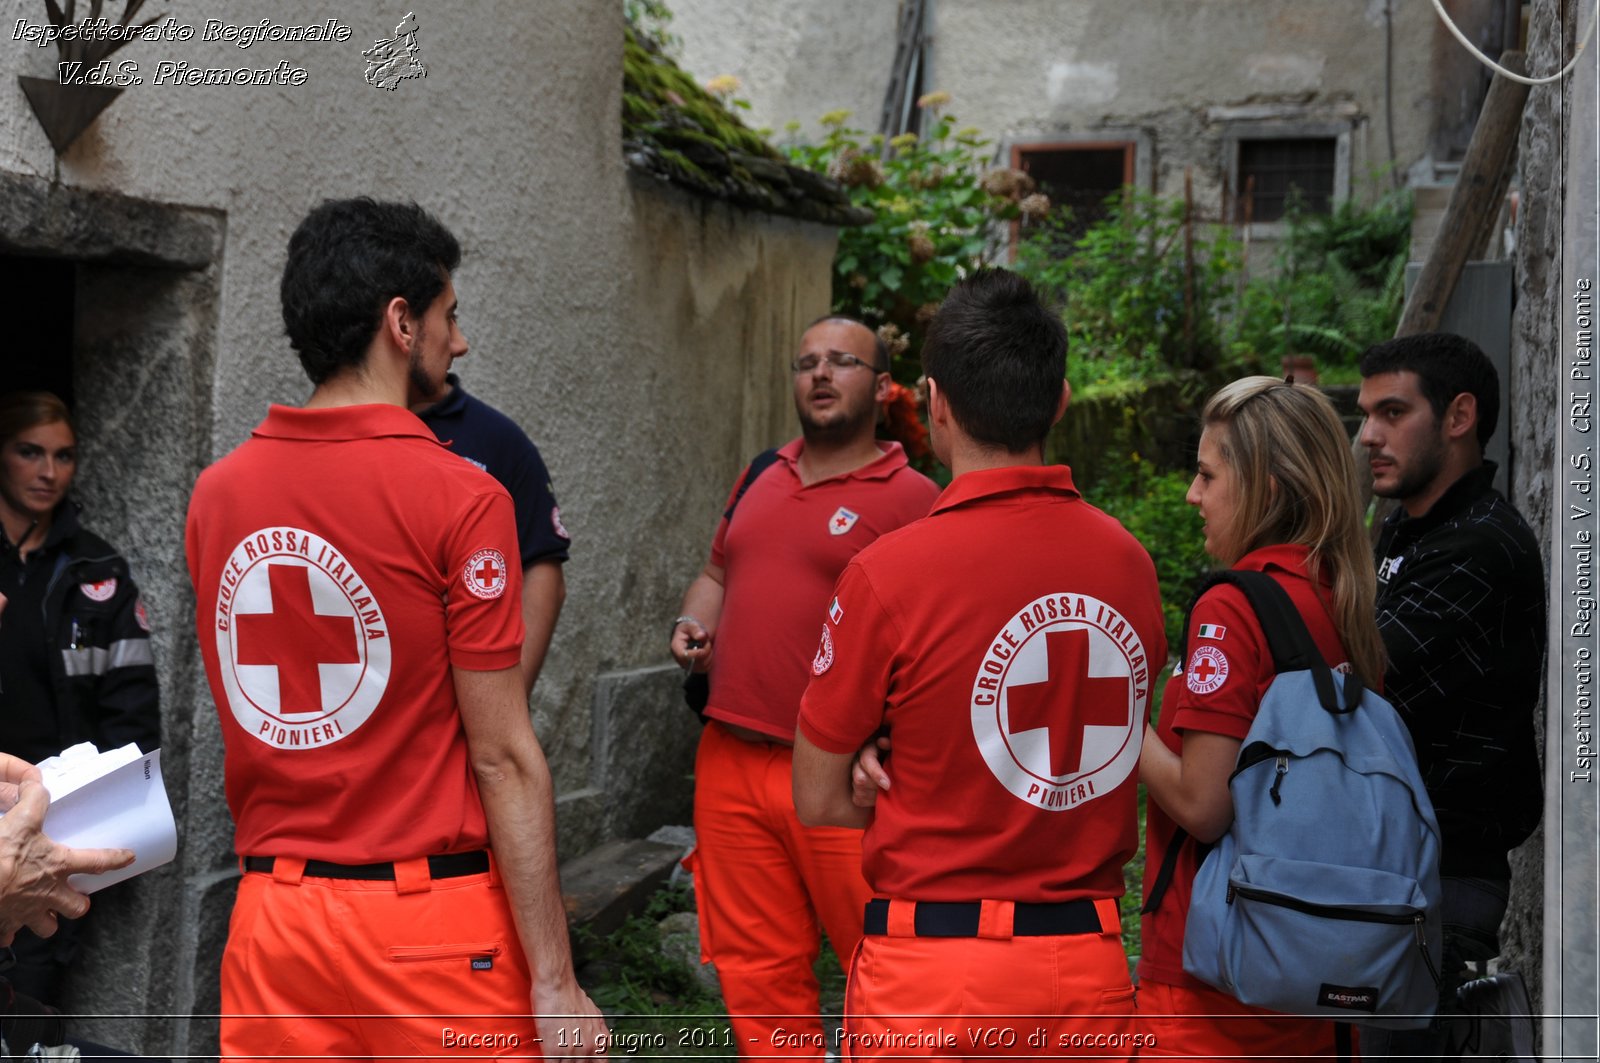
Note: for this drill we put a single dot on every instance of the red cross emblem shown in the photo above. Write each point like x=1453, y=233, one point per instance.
x=101, y=591
x=1208, y=670
x=842, y=520
x=485, y=574
x=296, y=639
x=1068, y=700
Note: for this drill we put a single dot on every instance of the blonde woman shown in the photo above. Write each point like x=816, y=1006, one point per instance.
x=1276, y=488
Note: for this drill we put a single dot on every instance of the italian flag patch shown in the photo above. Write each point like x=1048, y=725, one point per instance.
x=1211, y=631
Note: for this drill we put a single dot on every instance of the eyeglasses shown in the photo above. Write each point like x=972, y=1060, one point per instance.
x=838, y=359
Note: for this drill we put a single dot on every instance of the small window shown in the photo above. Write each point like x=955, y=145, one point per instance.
x=1079, y=177
x=1283, y=170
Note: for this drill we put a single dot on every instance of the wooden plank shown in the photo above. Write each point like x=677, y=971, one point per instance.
x=1475, y=202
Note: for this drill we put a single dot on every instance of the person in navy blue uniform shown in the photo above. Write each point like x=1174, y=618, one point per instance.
x=494, y=443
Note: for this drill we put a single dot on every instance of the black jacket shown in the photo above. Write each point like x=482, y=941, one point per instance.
x=97, y=638
x=1461, y=605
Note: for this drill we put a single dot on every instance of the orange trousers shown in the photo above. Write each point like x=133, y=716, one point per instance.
x=321, y=968
x=1057, y=996
x=766, y=888
x=1204, y=1023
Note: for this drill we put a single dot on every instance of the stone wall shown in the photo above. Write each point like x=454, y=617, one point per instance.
x=1549, y=932
x=636, y=334
x=1175, y=77
x=1534, y=392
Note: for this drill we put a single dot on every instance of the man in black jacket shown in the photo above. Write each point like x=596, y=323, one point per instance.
x=1461, y=605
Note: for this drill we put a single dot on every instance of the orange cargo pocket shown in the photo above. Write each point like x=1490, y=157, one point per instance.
x=423, y=953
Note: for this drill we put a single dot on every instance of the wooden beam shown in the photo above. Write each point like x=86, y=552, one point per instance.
x=1475, y=202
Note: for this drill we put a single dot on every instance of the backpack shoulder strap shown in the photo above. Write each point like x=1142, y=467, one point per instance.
x=1293, y=649
x=758, y=465
x=1169, y=865
x=1288, y=638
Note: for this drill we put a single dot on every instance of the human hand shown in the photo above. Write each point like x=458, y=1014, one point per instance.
x=867, y=776
x=33, y=869
x=691, y=645
x=13, y=772
x=569, y=1023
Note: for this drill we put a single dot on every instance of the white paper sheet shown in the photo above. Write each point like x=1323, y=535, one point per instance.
x=110, y=800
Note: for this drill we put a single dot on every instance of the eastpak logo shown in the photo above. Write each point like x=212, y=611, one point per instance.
x=1350, y=998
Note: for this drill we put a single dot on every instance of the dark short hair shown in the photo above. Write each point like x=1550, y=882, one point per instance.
x=999, y=356
x=1446, y=365
x=347, y=260
x=879, y=348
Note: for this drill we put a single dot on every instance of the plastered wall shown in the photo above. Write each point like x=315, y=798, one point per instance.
x=1177, y=73
x=634, y=332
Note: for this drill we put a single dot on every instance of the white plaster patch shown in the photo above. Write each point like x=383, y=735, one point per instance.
x=1286, y=71
x=1081, y=84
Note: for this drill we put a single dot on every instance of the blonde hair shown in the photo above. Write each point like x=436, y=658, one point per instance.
x=1296, y=483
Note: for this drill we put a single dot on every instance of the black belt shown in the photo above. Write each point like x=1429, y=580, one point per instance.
x=959, y=919
x=451, y=865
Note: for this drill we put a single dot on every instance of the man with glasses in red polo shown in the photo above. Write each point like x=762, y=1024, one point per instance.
x=766, y=886
x=359, y=614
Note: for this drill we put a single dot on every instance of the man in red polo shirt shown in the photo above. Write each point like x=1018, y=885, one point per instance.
x=1006, y=645
x=361, y=626
x=765, y=885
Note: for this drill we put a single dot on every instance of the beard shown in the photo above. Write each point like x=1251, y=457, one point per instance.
x=1417, y=474
x=834, y=430
x=852, y=414
x=422, y=387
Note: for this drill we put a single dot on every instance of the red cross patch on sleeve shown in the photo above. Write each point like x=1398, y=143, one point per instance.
x=485, y=574
x=824, y=658
x=1207, y=670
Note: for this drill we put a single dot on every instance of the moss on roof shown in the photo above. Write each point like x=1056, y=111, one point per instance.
x=675, y=130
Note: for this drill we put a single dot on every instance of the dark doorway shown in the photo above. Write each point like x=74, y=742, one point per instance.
x=37, y=354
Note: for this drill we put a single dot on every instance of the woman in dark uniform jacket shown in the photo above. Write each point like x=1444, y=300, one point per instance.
x=75, y=663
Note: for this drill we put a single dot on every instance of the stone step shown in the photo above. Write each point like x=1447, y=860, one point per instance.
x=606, y=885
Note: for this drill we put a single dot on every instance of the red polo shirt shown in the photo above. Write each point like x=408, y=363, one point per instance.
x=1227, y=669
x=781, y=553
x=343, y=561
x=1008, y=643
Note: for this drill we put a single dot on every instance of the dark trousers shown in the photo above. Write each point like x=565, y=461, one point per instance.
x=42, y=963
x=1472, y=910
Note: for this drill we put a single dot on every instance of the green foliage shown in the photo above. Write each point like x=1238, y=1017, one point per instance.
x=649, y=19
x=1133, y=887
x=1147, y=283
x=1340, y=280
x=652, y=998
x=935, y=217
x=1150, y=504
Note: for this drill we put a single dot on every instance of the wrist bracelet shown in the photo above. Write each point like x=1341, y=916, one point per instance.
x=687, y=619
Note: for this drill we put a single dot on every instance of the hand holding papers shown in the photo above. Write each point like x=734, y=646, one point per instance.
x=113, y=800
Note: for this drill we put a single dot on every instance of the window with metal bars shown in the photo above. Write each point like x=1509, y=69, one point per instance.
x=1275, y=172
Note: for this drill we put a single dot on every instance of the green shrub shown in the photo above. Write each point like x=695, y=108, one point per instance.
x=1148, y=284
x=1150, y=504
x=653, y=1000
x=938, y=210
x=1339, y=284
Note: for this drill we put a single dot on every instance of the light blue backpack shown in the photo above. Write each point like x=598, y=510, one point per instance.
x=1323, y=897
